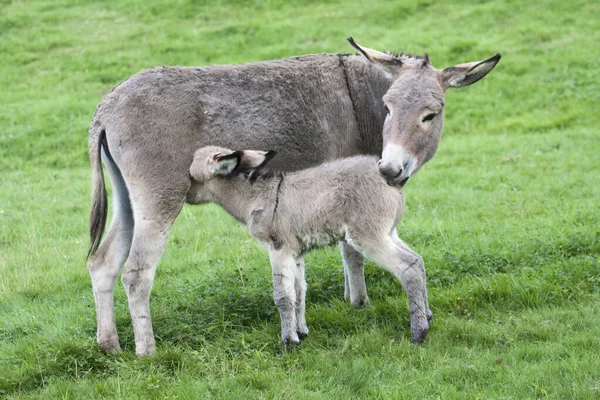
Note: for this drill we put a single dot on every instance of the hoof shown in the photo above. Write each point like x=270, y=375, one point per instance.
x=302, y=335
x=110, y=347
x=419, y=335
x=361, y=302
x=287, y=346
x=146, y=353
x=144, y=350
x=429, y=315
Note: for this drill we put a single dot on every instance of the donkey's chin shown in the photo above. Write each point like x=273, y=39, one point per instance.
x=398, y=180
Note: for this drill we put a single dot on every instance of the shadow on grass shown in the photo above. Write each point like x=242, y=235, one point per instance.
x=529, y=276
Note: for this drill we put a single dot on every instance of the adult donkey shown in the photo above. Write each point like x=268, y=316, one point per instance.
x=309, y=109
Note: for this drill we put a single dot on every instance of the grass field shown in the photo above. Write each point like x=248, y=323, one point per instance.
x=506, y=216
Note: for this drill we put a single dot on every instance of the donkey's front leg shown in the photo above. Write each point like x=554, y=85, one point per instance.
x=284, y=294
x=355, y=288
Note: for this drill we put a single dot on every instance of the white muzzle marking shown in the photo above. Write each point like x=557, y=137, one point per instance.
x=397, y=163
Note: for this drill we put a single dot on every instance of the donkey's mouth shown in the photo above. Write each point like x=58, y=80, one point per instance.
x=394, y=182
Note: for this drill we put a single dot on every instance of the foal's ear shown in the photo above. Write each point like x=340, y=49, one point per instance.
x=253, y=159
x=384, y=61
x=466, y=74
x=225, y=164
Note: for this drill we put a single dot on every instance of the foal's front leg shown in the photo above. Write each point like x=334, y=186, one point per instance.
x=420, y=267
x=283, y=265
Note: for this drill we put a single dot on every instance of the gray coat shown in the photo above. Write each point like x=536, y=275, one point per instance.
x=290, y=214
x=309, y=109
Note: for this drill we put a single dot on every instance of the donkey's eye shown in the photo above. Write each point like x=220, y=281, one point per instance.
x=387, y=110
x=429, y=117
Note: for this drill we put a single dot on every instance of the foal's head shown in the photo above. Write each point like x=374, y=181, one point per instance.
x=218, y=162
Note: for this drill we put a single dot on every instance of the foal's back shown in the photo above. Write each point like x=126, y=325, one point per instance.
x=344, y=194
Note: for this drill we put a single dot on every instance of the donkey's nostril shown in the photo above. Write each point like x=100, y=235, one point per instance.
x=390, y=171
x=405, y=166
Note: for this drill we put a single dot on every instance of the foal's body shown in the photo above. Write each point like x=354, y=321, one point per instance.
x=290, y=214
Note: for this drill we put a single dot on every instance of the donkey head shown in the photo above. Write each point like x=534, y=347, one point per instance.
x=414, y=105
x=212, y=161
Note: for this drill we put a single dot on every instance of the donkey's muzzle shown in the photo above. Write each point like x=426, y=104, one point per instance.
x=393, y=173
x=390, y=170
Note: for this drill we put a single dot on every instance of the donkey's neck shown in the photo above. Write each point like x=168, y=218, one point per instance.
x=366, y=86
x=239, y=196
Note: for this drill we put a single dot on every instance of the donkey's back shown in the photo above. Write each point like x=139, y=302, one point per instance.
x=166, y=113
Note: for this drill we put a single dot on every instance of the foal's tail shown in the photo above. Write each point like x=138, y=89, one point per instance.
x=97, y=141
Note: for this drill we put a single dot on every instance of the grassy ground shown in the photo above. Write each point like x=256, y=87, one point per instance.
x=506, y=216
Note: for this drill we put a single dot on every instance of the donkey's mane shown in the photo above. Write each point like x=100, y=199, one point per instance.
x=395, y=54
x=404, y=56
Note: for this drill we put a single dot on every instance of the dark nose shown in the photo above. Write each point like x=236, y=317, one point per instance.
x=390, y=171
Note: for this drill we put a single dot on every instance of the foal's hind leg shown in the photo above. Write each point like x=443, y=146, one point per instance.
x=106, y=263
x=154, y=215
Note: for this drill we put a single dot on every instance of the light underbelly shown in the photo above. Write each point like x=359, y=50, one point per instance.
x=317, y=240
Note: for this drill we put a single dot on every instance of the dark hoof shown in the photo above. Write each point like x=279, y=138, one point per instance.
x=429, y=315
x=302, y=335
x=361, y=303
x=287, y=346
x=418, y=336
x=110, y=347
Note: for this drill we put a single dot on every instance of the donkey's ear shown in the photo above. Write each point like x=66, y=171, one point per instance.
x=466, y=74
x=252, y=159
x=384, y=61
x=225, y=164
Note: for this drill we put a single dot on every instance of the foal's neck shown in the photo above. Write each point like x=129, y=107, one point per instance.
x=240, y=195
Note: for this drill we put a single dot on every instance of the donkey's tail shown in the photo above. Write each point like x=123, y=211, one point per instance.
x=97, y=140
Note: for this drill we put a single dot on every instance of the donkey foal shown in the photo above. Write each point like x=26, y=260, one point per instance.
x=290, y=214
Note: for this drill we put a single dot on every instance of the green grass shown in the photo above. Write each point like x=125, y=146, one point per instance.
x=506, y=216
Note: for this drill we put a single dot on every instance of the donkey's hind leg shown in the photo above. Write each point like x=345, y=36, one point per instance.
x=355, y=288
x=154, y=215
x=104, y=267
x=105, y=264
x=407, y=267
x=300, y=286
x=283, y=267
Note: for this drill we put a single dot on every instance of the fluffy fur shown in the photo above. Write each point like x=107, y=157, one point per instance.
x=291, y=214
